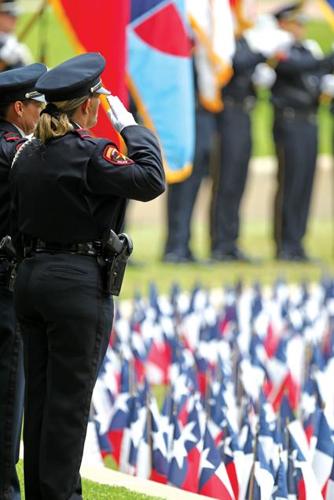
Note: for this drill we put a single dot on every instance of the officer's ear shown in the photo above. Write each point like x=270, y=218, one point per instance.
x=85, y=106
x=18, y=107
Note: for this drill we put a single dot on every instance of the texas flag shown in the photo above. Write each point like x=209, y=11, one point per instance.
x=160, y=78
x=213, y=480
x=324, y=452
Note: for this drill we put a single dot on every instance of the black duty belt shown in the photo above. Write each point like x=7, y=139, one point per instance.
x=247, y=104
x=292, y=114
x=93, y=248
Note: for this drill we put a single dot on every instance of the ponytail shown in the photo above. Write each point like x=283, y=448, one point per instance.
x=55, y=119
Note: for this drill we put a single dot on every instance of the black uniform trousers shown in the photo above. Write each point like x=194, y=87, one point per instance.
x=296, y=141
x=229, y=178
x=11, y=391
x=181, y=197
x=65, y=320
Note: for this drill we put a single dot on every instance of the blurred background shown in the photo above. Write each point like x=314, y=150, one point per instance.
x=47, y=38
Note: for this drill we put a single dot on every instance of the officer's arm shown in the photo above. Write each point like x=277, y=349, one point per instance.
x=296, y=62
x=139, y=175
x=245, y=60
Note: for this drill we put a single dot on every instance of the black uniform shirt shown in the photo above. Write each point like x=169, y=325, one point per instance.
x=244, y=62
x=74, y=188
x=9, y=139
x=298, y=79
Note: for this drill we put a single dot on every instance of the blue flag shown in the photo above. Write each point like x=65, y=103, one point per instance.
x=161, y=79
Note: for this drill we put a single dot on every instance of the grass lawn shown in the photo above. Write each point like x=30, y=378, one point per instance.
x=256, y=239
x=95, y=491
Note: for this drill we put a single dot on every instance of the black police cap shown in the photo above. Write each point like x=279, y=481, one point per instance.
x=77, y=77
x=19, y=84
x=291, y=12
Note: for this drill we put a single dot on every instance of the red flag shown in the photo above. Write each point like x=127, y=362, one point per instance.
x=100, y=27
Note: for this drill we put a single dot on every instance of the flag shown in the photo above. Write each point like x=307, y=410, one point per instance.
x=161, y=431
x=178, y=464
x=324, y=452
x=212, y=24
x=100, y=29
x=330, y=486
x=193, y=443
x=281, y=485
x=301, y=478
x=244, y=14
x=213, y=479
x=261, y=482
x=118, y=424
x=160, y=78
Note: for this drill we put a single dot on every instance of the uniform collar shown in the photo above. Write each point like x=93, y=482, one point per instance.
x=10, y=127
x=76, y=125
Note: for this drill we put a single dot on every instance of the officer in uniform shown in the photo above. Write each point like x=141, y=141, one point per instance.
x=68, y=190
x=18, y=116
x=231, y=171
x=232, y=128
x=182, y=196
x=13, y=54
x=295, y=97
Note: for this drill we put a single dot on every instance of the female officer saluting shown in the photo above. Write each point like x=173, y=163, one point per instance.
x=69, y=189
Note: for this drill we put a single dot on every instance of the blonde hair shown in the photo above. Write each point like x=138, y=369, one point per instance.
x=57, y=124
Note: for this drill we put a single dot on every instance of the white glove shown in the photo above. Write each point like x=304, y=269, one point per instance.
x=327, y=85
x=264, y=76
x=118, y=114
x=267, y=38
x=13, y=52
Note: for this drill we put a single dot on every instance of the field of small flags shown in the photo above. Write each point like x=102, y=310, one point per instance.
x=247, y=378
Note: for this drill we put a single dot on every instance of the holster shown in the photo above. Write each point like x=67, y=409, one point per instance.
x=116, y=253
x=8, y=254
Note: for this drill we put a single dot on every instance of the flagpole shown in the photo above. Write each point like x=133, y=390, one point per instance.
x=149, y=428
x=43, y=32
x=207, y=386
x=252, y=479
x=132, y=378
x=30, y=24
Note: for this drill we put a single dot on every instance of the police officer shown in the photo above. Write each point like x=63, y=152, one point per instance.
x=69, y=189
x=295, y=97
x=182, y=196
x=18, y=116
x=232, y=129
x=13, y=54
x=239, y=97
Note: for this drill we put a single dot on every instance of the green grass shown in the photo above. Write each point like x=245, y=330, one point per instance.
x=256, y=240
x=95, y=491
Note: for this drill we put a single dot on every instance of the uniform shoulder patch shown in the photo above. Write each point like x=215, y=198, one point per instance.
x=115, y=157
x=12, y=136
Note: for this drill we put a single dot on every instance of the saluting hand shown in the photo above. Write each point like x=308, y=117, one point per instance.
x=119, y=116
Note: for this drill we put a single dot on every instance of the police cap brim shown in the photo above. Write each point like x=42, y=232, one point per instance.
x=17, y=84
x=74, y=78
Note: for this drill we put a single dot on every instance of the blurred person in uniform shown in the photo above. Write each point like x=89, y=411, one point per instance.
x=18, y=117
x=235, y=142
x=13, y=54
x=181, y=196
x=295, y=96
x=69, y=190
x=232, y=128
